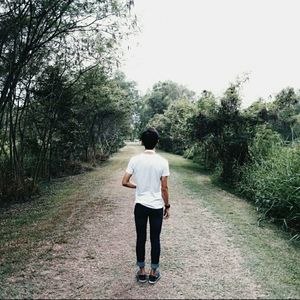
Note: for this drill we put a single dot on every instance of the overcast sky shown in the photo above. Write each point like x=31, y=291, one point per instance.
x=206, y=44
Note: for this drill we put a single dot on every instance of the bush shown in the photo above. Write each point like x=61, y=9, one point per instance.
x=11, y=189
x=202, y=154
x=272, y=180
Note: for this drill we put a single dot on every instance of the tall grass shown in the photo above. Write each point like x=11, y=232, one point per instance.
x=272, y=180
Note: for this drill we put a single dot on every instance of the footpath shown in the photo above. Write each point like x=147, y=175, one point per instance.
x=204, y=254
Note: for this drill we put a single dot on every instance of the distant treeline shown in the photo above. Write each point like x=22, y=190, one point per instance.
x=61, y=100
x=255, y=150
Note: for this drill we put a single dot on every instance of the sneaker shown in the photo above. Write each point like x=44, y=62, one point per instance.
x=141, y=277
x=154, y=278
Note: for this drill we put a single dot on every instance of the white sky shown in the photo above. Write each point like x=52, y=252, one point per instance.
x=206, y=44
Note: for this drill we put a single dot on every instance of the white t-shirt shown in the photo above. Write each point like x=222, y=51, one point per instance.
x=147, y=169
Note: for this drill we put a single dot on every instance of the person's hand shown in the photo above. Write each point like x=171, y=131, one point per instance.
x=166, y=213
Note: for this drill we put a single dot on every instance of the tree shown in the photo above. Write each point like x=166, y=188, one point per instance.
x=286, y=110
x=225, y=133
x=157, y=100
x=173, y=126
x=207, y=103
x=71, y=37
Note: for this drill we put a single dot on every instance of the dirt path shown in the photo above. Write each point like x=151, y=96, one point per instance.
x=199, y=259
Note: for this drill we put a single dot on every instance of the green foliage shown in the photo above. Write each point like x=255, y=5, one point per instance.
x=248, y=150
x=264, y=142
x=207, y=103
x=173, y=126
x=201, y=151
x=272, y=179
x=283, y=114
x=224, y=134
x=157, y=101
x=60, y=100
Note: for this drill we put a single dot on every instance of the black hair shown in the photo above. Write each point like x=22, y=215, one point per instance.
x=150, y=138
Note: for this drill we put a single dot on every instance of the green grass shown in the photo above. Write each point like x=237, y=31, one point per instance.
x=31, y=228
x=268, y=253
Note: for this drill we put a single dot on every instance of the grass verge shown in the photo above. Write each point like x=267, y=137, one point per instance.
x=29, y=230
x=267, y=251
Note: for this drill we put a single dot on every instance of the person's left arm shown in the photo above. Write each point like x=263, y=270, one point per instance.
x=126, y=181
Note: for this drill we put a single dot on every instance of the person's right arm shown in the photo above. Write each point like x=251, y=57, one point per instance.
x=165, y=194
x=126, y=181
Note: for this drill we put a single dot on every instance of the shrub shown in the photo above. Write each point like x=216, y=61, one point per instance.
x=11, y=189
x=272, y=180
x=202, y=154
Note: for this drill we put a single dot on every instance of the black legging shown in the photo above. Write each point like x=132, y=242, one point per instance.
x=141, y=214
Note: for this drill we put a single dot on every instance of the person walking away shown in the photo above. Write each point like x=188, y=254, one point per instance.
x=150, y=171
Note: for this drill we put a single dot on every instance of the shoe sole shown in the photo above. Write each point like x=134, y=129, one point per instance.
x=153, y=282
x=139, y=280
x=142, y=281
